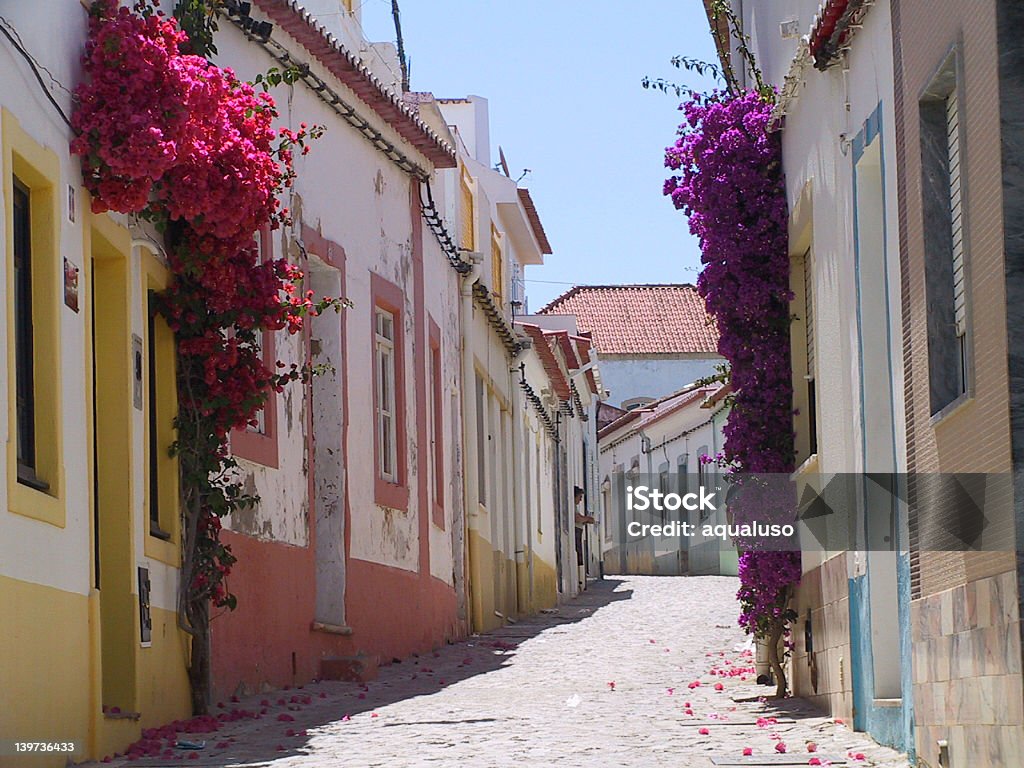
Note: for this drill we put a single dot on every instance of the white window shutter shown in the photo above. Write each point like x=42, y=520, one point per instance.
x=809, y=311
x=956, y=215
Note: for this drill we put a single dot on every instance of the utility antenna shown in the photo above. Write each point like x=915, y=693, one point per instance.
x=401, y=46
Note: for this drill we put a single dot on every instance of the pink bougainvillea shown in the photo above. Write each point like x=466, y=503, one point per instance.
x=133, y=110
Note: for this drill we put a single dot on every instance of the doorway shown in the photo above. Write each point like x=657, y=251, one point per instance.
x=112, y=400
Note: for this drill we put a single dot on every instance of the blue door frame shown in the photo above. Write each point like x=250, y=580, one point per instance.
x=889, y=725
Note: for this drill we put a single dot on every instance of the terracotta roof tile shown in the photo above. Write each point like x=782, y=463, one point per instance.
x=543, y=342
x=640, y=319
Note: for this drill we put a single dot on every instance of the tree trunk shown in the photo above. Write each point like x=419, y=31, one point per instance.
x=778, y=627
x=199, y=664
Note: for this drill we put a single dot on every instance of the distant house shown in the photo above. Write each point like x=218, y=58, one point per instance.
x=652, y=339
x=661, y=446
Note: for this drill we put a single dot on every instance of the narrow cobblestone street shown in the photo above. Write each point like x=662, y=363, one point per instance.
x=604, y=682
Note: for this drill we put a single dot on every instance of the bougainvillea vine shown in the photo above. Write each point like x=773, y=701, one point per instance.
x=728, y=180
x=179, y=142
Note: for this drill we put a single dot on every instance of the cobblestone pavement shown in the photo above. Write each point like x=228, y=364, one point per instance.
x=603, y=682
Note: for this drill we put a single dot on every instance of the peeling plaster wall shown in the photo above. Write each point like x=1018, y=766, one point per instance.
x=282, y=514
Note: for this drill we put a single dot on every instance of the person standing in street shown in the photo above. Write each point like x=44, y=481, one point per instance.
x=582, y=519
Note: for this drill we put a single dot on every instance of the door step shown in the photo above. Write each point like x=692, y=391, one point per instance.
x=352, y=669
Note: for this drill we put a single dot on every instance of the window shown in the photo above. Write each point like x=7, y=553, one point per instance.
x=161, y=407
x=606, y=506
x=497, y=265
x=389, y=433
x=537, y=468
x=468, y=212
x=664, y=485
x=387, y=437
x=622, y=479
x=32, y=313
x=682, y=474
x=702, y=476
x=945, y=237
x=258, y=442
x=153, y=423
x=25, y=413
x=481, y=441
x=812, y=402
x=435, y=419
x=957, y=240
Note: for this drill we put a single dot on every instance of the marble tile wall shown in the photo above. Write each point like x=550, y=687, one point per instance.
x=968, y=688
x=824, y=593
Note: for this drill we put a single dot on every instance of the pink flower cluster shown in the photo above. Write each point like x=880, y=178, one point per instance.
x=730, y=184
x=224, y=185
x=150, y=117
x=133, y=113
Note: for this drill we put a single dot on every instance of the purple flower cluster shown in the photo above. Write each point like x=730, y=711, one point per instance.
x=729, y=182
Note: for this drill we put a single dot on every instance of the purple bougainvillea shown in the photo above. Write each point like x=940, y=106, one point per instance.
x=729, y=182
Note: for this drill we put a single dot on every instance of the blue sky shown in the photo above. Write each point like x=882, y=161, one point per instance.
x=562, y=78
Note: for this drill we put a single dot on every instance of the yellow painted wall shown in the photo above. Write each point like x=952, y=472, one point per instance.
x=64, y=655
x=545, y=584
x=163, y=692
x=500, y=584
x=481, y=575
x=44, y=666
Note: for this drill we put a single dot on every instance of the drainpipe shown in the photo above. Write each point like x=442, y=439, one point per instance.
x=523, y=554
x=470, y=478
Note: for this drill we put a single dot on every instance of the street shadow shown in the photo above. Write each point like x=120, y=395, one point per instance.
x=264, y=728
x=794, y=707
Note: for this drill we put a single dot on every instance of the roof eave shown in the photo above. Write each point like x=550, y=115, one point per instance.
x=346, y=67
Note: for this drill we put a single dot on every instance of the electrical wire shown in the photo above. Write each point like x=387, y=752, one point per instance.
x=12, y=34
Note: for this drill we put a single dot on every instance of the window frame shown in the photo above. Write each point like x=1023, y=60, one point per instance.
x=390, y=490
x=950, y=355
x=160, y=358
x=38, y=170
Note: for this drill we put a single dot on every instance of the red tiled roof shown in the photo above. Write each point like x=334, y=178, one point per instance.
x=667, y=405
x=640, y=319
x=543, y=342
x=345, y=65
